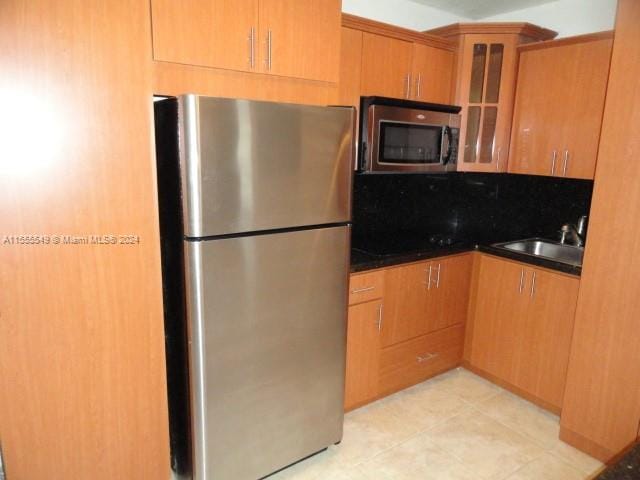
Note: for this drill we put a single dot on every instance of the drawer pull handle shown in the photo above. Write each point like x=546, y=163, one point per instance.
x=427, y=357
x=363, y=289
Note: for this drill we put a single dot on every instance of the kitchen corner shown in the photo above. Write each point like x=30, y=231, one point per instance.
x=401, y=218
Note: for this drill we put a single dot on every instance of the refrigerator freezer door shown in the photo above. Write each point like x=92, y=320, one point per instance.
x=249, y=166
x=267, y=320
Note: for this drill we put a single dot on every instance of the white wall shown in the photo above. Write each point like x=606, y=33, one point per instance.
x=567, y=17
x=402, y=13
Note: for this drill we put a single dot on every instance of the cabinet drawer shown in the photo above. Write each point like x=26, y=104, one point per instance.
x=366, y=286
x=416, y=360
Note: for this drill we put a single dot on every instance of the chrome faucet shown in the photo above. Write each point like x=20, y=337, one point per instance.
x=573, y=234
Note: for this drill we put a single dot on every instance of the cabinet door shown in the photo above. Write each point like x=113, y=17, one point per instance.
x=209, y=33
x=537, y=121
x=386, y=66
x=452, y=279
x=347, y=92
x=558, y=109
x=487, y=86
x=585, y=68
x=300, y=39
x=500, y=312
x=432, y=74
x=363, y=350
x=406, y=302
x=543, y=355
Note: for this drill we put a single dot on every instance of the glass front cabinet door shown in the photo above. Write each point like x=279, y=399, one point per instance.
x=485, y=88
x=486, y=92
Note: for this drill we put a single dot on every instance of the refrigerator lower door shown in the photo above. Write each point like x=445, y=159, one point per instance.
x=267, y=322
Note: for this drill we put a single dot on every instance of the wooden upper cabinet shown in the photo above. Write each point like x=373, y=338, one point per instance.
x=432, y=74
x=488, y=71
x=363, y=350
x=386, y=66
x=583, y=98
x=522, y=327
x=207, y=33
x=300, y=39
x=559, y=105
x=485, y=86
x=347, y=92
x=279, y=37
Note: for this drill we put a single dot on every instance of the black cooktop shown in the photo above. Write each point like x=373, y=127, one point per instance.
x=390, y=245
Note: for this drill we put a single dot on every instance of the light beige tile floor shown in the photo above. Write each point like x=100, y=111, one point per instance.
x=456, y=426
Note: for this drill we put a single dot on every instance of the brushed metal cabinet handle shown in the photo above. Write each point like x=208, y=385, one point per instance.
x=408, y=94
x=438, y=277
x=363, y=289
x=428, y=282
x=521, y=288
x=498, y=159
x=533, y=284
x=426, y=357
x=553, y=162
x=252, y=48
x=269, y=42
x=379, y=318
x=565, y=163
x=418, y=85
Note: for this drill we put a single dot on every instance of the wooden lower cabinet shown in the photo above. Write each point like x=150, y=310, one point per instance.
x=522, y=324
x=405, y=324
x=416, y=360
x=424, y=297
x=363, y=345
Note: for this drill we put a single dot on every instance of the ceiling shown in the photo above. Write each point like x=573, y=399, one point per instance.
x=477, y=9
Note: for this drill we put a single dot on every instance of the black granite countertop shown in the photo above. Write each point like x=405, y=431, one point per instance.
x=626, y=469
x=361, y=260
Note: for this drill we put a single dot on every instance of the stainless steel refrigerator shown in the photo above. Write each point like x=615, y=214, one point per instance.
x=255, y=205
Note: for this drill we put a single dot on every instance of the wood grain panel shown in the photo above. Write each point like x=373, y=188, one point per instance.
x=543, y=354
x=432, y=69
x=538, y=124
x=363, y=353
x=500, y=312
x=415, y=360
x=388, y=30
x=175, y=79
x=386, y=63
x=305, y=38
x=451, y=297
x=347, y=92
x=364, y=287
x=82, y=375
x=559, y=105
x=602, y=397
x=583, y=104
x=407, y=302
x=211, y=33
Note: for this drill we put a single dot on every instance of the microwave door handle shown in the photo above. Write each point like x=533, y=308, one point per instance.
x=446, y=132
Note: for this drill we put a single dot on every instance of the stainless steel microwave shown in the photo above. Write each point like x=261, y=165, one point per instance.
x=403, y=136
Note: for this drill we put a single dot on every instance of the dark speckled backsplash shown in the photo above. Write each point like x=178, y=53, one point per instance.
x=470, y=206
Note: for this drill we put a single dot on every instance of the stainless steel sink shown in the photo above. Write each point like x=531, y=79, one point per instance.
x=539, y=247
